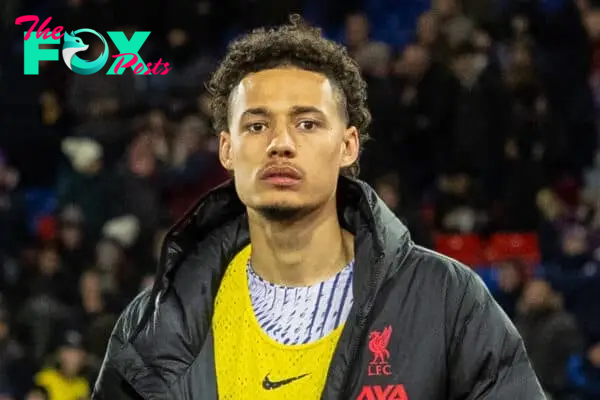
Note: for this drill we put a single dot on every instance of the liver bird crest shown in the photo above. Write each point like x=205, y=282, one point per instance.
x=378, y=343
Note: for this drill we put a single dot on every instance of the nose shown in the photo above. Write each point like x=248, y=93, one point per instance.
x=282, y=143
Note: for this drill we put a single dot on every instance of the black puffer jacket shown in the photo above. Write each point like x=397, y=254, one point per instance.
x=449, y=339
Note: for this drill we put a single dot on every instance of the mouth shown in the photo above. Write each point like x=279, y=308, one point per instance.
x=281, y=175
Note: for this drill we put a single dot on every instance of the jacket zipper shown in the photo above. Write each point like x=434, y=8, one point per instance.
x=362, y=322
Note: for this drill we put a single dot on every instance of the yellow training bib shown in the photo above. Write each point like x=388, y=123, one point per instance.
x=250, y=364
x=62, y=388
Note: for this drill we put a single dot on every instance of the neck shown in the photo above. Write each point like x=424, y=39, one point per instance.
x=300, y=253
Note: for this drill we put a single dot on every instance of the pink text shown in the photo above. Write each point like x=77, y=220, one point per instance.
x=42, y=31
x=138, y=69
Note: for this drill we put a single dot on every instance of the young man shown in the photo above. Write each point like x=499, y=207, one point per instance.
x=295, y=281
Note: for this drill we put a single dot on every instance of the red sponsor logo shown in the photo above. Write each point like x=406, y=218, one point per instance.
x=378, y=343
x=378, y=392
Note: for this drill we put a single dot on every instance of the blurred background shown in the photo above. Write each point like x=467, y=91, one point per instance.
x=485, y=143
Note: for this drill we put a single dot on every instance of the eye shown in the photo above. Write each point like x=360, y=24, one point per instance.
x=309, y=125
x=256, y=127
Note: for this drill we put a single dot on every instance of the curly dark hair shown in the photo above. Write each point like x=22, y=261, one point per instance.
x=298, y=45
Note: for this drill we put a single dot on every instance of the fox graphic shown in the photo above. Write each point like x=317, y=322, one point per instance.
x=73, y=44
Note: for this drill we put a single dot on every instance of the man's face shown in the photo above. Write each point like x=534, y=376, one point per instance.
x=510, y=278
x=427, y=28
x=71, y=360
x=49, y=261
x=90, y=284
x=389, y=195
x=287, y=140
x=575, y=241
x=415, y=61
x=357, y=30
x=71, y=236
x=464, y=67
x=108, y=255
x=594, y=355
x=537, y=294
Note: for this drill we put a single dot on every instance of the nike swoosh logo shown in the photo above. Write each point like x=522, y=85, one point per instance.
x=270, y=385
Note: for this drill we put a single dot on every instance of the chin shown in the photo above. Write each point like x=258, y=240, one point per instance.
x=282, y=207
x=281, y=200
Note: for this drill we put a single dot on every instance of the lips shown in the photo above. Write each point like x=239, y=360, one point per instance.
x=281, y=175
x=281, y=171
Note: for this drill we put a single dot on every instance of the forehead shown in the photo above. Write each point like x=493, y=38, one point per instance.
x=281, y=88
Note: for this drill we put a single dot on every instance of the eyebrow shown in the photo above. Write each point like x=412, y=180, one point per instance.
x=257, y=111
x=296, y=110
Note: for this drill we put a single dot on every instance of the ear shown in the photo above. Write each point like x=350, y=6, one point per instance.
x=225, y=155
x=350, y=147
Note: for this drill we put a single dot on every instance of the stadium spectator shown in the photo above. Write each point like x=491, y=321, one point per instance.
x=511, y=282
x=584, y=373
x=373, y=57
x=550, y=335
x=62, y=378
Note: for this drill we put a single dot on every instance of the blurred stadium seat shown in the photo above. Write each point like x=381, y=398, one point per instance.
x=467, y=249
x=503, y=246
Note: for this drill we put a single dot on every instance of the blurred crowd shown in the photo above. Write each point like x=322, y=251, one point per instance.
x=485, y=117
